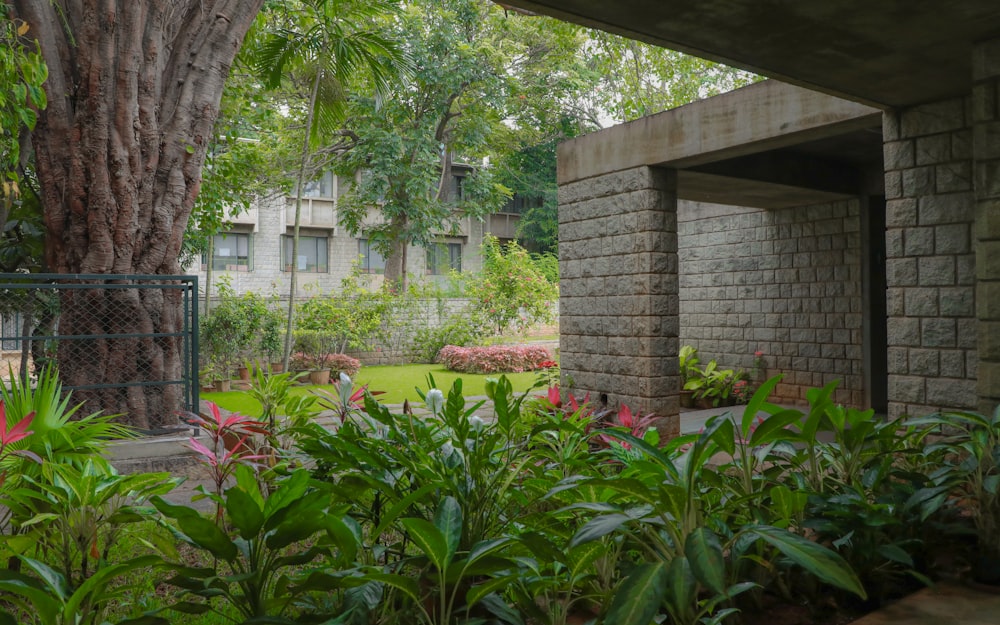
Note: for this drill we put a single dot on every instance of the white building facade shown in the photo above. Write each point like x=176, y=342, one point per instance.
x=255, y=252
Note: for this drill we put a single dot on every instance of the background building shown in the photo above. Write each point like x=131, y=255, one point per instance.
x=255, y=253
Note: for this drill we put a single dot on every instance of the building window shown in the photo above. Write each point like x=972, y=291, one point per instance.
x=320, y=187
x=231, y=251
x=457, y=191
x=443, y=257
x=313, y=255
x=372, y=260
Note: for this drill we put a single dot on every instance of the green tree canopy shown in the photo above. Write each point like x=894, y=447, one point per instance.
x=323, y=48
x=22, y=72
x=406, y=144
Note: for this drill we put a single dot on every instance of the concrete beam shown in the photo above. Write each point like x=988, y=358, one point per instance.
x=758, y=118
x=719, y=189
x=895, y=53
x=791, y=169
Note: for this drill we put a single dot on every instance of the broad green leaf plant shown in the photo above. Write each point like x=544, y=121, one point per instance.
x=274, y=548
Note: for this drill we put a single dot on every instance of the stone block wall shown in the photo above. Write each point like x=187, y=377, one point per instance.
x=784, y=282
x=986, y=147
x=408, y=317
x=618, y=290
x=930, y=260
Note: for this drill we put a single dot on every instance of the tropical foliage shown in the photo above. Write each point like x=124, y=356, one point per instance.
x=538, y=509
x=22, y=71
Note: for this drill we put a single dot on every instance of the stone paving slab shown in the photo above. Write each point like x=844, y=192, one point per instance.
x=946, y=603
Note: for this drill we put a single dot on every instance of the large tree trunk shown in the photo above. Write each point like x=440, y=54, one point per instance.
x=133, y=89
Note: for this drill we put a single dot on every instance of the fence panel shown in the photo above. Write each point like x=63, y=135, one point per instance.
x=123, y=344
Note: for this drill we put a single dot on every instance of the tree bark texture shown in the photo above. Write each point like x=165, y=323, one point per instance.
x=134, y=89
x=396, y=262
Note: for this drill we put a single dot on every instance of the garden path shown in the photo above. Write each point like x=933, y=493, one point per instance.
x=945, y=603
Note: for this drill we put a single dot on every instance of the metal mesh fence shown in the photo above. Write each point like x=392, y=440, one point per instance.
x=122, y=344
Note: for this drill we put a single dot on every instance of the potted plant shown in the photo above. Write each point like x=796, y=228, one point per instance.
x=299, y=362
x=688, y=368
x=318, y=346
x=270, y=339
x=208, y=374
x=215, y=377
x=713, y=386
x=342, y=363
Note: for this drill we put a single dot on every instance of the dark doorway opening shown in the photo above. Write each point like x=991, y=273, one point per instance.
x=873, y=280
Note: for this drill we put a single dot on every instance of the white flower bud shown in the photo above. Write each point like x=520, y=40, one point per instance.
x=434, y=401
x=476, y=423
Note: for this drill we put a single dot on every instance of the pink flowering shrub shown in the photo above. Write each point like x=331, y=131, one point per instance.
x=342, y=363
x=493, y=359
x=336, y=363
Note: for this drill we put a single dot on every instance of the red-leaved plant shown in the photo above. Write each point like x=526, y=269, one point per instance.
x=637, y=426
x=227, y=449
x=494, y=359
x=554, y=396
x=571, y=409
x=10, y=434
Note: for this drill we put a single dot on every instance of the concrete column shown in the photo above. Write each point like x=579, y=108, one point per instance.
x=618, y=291
x=986, y=159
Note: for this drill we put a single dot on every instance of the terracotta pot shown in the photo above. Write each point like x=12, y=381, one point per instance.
x=244, y=373
x=231, y=440
x=320, y=377
x=277, y=367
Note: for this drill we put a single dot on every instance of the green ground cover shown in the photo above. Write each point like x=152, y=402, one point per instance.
x=399, y=383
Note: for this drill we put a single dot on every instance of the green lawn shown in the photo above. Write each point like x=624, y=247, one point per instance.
x=398, y=381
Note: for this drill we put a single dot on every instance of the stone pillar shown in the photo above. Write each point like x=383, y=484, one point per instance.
x=930, y=261
x=986, y=160
x=618, y=291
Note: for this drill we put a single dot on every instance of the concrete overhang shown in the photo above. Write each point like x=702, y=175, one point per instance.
x=889, y=53
x=769, y=145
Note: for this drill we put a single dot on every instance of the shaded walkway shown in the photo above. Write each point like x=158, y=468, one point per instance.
x=947, y=603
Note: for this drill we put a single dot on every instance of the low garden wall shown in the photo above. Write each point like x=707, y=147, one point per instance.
x=399, y=346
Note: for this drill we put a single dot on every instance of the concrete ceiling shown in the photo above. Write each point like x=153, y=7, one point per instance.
x=812, y=172
x=888, y=53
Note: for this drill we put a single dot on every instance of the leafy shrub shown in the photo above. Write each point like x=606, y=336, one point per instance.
x=318, y=360
x=342, y=363
x=493, y=359
x=300, y=361
x=313, y=348
x=718, y=386
x=511, y=293
x=352, y=317
x=462, y=330
x=550, y=509
x=547, y=264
